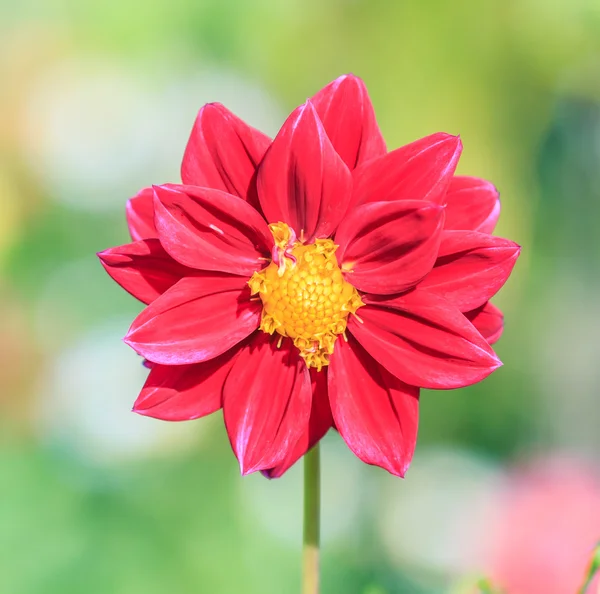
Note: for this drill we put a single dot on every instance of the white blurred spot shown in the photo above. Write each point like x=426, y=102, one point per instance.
x=565, y=360
x=96, y=131
x=85, y=399
x=434, y=519
x=277, y=504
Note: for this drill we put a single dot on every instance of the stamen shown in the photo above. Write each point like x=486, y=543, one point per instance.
x=305, y=296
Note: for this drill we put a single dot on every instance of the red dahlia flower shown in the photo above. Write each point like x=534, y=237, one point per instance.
x=312, y=281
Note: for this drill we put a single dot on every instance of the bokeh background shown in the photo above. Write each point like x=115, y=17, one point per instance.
x=97, y=99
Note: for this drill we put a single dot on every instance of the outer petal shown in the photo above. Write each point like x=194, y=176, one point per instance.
x=488, y=320
x=424, y=341
x=140, y=215
x=197, y=319
x=388, y=247
x=319, y=423
x=375, y=413
x=472, y=204
x=223, y=153
x=471, y=267
x=211, y=230
x=302, y=181
x=267, y=400
x=348, y=117
x=185, y=392
x=143, y=268
x=421, y=170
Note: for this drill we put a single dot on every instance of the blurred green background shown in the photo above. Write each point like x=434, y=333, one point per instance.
x=97, y=99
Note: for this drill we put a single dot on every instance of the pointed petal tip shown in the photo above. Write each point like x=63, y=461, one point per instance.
x=402, y=471
x=245, y=471
x=446, y=137
x=395, y=468
x=212, y=105
x=248, y=466
x=495, y=363
x=108, y=258
x=308, y=105
x=156, y=195
x=138, y=408
x=128, y=341
x=518, y=249
x=209, y=107
x=452, y=139
x=159, y=188
x=513, y=247
x=350, y=77
x=162, y=192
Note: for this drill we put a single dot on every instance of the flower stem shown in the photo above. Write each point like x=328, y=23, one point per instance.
x=593, y=570
x=312, y=505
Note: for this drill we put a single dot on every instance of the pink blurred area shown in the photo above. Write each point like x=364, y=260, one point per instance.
x=546, y=525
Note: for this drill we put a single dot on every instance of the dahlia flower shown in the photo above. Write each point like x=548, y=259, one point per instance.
x=312, y=281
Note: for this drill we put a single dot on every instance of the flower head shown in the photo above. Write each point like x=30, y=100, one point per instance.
x=312, y=281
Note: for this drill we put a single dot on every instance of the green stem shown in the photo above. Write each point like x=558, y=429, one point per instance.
x=593, y=569
x=312, y=509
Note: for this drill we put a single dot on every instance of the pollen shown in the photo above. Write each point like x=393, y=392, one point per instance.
x=304, y=294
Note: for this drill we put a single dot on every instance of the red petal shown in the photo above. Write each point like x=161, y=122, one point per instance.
x=185, y=392
x=488, y=320
x=223, y=153
x=319, y=423
x=197, y=319
x=471, y=267
x=421, y=170
x=388, y=247
x=375, y=413
x=424, y=341
x=140, y=215
x=302, y=181
x=348, y=117
x=267, y=399
x=472, y=204
x=143, y=268
x=211, y=230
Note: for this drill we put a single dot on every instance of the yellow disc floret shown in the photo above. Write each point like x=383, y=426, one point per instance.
x=304, y=295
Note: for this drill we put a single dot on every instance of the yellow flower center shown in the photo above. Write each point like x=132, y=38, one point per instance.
x=304, y=295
